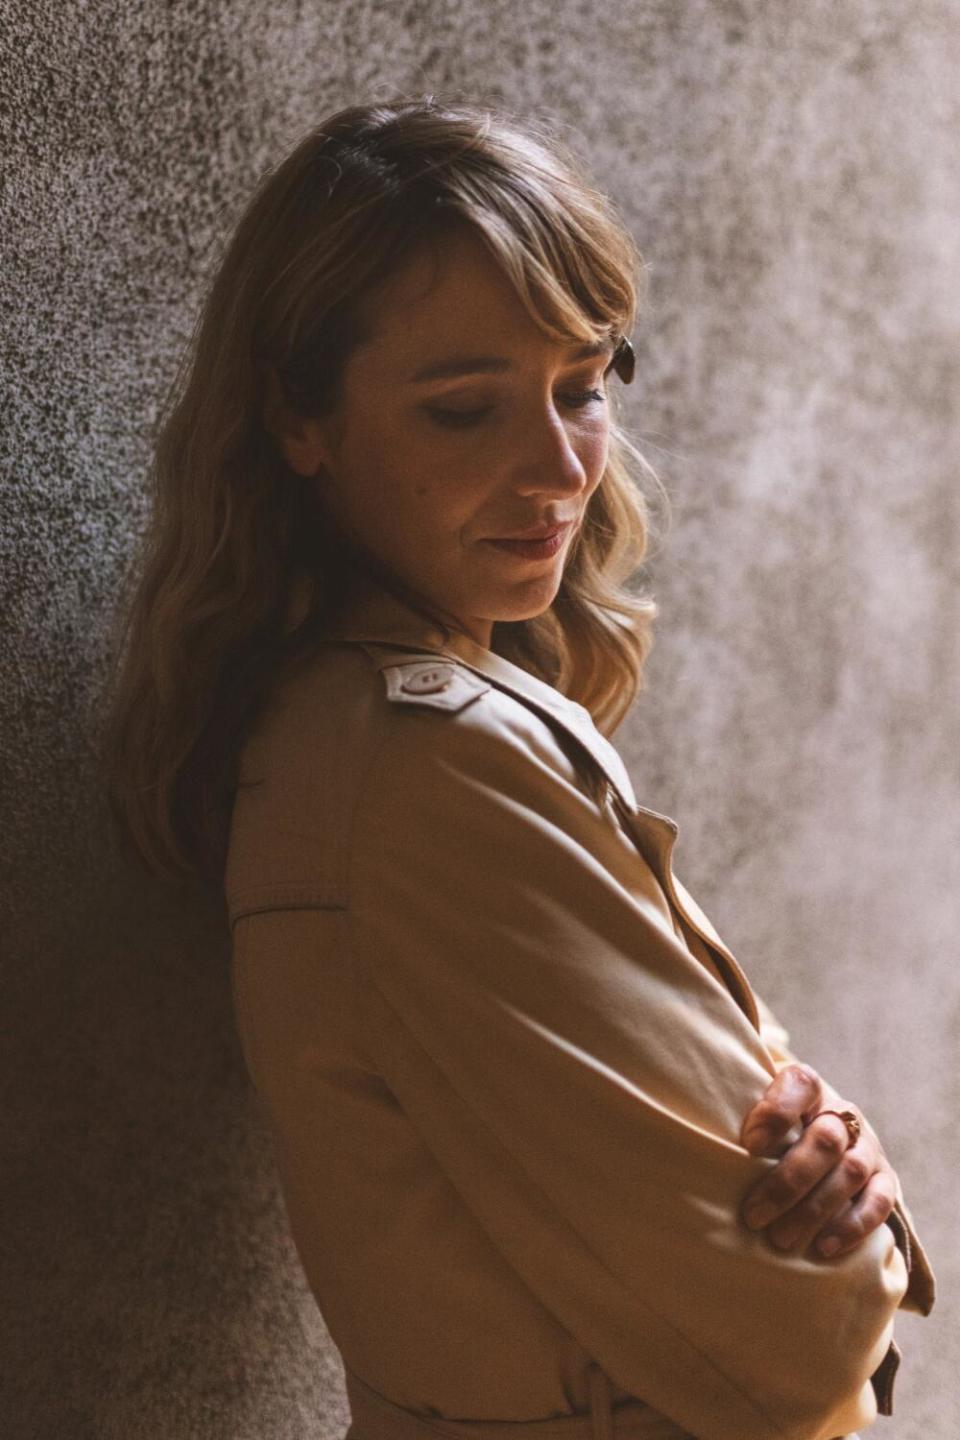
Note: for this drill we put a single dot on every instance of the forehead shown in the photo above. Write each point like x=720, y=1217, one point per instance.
x=450, y=291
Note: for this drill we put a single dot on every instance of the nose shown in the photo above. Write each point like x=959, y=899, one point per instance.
x=548, y=459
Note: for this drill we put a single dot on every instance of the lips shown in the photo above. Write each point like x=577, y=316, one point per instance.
x=541, y=532
x=542, y=549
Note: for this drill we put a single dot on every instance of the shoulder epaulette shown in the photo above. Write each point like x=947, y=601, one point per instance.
x=424, y=679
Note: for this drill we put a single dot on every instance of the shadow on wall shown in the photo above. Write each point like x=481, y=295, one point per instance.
x=145, y=1235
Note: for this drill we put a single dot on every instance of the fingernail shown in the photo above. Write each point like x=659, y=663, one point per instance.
x=829, y=1245
x=784, y=1242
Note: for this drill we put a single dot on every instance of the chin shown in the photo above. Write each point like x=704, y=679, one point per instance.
x=512, y=614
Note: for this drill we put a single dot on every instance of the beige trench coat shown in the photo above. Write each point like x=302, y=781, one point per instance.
x=506, y=1056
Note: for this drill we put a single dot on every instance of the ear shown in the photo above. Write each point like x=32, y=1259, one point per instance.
x=305, y=450
x=303, y=441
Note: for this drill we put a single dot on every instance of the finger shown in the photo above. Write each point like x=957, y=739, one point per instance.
x=828, y=1199
x=793, y=1093
x=864, y=1215
x=820, y=1148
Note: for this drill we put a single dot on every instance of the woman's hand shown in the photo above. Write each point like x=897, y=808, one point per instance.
x=821, y=1188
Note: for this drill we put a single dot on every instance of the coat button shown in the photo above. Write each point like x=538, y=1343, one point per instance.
x=428, y=681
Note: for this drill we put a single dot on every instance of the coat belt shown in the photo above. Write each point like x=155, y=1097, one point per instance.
x=374, y=1417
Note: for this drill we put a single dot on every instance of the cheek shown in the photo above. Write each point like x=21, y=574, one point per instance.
x=442, y=495
x=594, y=453
x=600, y=449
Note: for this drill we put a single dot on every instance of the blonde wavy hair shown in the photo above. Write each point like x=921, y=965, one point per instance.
x=202, y=627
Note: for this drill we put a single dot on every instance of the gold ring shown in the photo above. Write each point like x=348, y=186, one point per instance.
x=850, y=1118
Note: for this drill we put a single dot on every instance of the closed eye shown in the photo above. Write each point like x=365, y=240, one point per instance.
x=460, y=419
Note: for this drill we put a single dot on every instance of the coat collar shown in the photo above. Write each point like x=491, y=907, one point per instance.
x=376, y=615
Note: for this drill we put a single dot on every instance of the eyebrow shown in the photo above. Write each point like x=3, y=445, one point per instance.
x=494, y=364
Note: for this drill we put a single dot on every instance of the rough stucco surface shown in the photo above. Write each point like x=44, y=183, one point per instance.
x=791, y=174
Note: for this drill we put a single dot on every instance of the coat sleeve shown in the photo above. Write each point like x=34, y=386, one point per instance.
x=921, y=1289
x=581, y=1078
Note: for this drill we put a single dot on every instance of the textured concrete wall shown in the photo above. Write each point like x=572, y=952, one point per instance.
x=790, y=170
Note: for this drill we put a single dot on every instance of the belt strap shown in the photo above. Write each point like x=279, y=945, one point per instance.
x=374, y=1417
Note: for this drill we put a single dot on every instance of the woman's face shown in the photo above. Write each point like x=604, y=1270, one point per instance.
x=426, y=471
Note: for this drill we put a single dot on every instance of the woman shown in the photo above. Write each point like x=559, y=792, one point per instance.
x=547, y=1159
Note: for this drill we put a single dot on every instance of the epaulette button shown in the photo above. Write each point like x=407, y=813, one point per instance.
x=428, y=680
